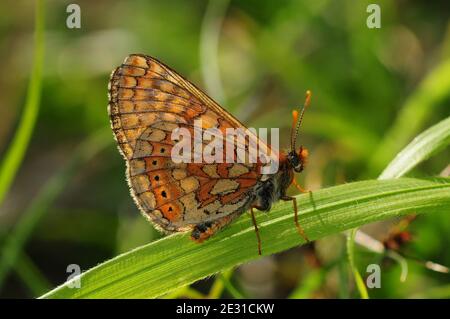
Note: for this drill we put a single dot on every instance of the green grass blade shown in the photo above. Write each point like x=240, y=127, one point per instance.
x=312, y=282
x=360, y=285
x=209, y=47
x=229, y=285
x=31, y=275
x=218, y=285
x=16, y=151
x=419, y=106
x=421, y=148
x=174, y=261
x=39, y=206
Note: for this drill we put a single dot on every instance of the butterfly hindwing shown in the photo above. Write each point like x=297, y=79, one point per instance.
x=147, y=102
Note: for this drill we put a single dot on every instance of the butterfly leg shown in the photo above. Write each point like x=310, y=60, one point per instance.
x=256, y=230
x=299, y=228
x=301, y=189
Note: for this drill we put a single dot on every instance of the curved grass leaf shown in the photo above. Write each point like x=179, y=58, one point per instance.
x=16, y=151
x=209, y=47
x=38, y=207
x=359, y=282
x=421, y=148
x=434, y=89
x=157, y=268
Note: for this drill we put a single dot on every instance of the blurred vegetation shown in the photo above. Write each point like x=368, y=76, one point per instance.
x=373, y=91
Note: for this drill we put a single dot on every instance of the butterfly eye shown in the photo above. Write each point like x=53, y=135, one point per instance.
x=293, y=159
x=164, y=194
x=156, y=178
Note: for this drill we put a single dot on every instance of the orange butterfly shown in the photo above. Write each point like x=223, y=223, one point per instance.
x=147, y=102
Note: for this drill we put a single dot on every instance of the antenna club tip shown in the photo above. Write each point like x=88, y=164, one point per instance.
x=308, y=98
x=294, y=118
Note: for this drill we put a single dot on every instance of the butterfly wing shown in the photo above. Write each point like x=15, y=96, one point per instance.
x=147, y=102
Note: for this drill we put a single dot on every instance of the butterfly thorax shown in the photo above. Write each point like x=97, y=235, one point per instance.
x=274, y=187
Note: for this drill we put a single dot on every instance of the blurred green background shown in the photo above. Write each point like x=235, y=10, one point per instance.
x=373, y=91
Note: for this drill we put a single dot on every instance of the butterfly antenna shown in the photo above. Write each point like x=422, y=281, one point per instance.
x=294, y=124
x=297, y=120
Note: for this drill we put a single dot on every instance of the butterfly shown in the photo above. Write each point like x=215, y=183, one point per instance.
x=148, y=101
